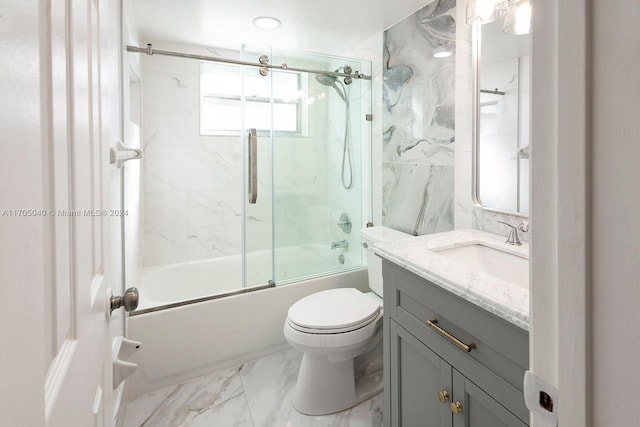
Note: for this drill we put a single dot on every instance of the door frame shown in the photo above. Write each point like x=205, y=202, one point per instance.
x=560, y=351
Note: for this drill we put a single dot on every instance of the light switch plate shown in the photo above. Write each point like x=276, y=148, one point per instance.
x=541, y=398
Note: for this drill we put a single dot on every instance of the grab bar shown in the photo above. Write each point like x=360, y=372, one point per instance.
x=253, y=165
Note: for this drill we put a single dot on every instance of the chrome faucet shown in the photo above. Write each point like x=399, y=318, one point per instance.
x=340, y=244
x=513, y=238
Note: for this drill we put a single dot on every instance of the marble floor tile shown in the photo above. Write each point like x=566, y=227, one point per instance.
x=267, y=384
x=254, y=394
x=182, y=404
x=231, y=413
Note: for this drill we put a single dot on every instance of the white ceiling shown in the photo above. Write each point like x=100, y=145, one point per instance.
x=325, y=26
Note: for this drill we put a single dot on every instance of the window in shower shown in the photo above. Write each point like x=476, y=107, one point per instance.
x=221, y=88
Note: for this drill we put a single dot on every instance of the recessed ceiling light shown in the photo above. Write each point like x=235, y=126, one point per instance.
x=441, y=52
x=266, y=22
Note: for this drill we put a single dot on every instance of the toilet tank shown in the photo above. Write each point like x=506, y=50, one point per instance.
x=373, y=235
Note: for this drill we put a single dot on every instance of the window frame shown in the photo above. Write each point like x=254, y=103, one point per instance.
x=302, y=109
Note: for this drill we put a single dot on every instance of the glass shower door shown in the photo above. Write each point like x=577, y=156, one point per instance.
x=237, y=111
x=318, y=143
x=257, y=110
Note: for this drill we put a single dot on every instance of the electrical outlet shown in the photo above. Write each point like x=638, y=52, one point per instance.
x=541, y=397
x=546, y=401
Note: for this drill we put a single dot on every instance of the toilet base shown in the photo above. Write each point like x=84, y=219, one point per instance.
x=325, y=387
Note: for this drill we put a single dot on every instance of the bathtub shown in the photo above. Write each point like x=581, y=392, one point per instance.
x=172, y=284
x=175, y=283
x=184, y=342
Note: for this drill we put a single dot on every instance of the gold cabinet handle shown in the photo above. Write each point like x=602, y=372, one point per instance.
x=434, y=325
x=456, y=408
x=443, y=396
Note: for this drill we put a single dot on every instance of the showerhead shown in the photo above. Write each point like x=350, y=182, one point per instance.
x=326, y=80
x=330, y=81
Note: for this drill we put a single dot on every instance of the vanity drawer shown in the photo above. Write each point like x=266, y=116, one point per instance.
x=500, y=357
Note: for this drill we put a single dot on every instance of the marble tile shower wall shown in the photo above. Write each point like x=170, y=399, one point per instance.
x=419, y=121
x=300, y=182
x=187, y=178
x=341, y=200
x=193, y=191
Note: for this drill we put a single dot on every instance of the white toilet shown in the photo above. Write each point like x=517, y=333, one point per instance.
x=340, y=333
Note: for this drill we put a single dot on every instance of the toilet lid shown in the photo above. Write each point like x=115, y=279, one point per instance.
x=334, y=309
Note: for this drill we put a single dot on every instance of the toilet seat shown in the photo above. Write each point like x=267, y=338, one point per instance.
x=333, y=311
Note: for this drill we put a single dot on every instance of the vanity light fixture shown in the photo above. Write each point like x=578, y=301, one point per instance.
x=518, y=19
x=485, y=11
x=266, y=22
x=441, y=52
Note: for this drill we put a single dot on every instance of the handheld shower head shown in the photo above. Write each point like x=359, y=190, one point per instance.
x=326, y=80
x=330, y=81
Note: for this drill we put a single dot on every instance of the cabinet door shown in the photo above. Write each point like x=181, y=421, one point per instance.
x=417, y=376
x=478, y=408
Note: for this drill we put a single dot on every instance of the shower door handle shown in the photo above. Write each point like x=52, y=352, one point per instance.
x=253, y=165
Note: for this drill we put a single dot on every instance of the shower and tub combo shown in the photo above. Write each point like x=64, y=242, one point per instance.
x=216, y=272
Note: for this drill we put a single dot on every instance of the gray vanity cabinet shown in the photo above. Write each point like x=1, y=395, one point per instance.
x=479, y=409
x=427, y=373
x=417, y=376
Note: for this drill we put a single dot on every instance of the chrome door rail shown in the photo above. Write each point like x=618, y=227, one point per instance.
x=149, y=50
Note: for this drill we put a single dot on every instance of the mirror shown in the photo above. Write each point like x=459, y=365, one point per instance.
x=501, y=119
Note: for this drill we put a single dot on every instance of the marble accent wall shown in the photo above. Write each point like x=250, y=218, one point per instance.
x=419, y=121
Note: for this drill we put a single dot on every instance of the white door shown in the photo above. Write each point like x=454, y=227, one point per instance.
x=59, y=114
x=85, y=123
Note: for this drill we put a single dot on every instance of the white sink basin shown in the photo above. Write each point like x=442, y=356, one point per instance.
x=507, y=266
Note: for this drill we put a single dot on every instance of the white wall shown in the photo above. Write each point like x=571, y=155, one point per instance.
x=544, y=328
x=615, y=201
x=586, y=246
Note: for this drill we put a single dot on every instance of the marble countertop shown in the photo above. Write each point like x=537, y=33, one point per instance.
x=506, y=300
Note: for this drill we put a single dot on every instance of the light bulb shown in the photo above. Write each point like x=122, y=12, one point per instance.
x=485, y=11
x=518, y=20
x=266, y=22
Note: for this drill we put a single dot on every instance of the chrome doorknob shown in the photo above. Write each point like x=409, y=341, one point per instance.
x=129, y=300
x=456, y=407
